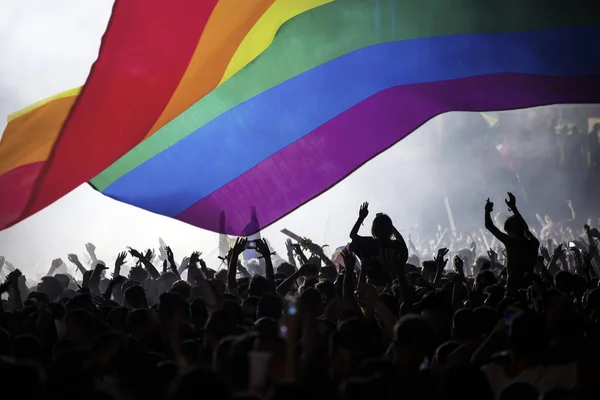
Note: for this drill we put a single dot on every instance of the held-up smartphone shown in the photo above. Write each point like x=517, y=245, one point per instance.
x=251, y=245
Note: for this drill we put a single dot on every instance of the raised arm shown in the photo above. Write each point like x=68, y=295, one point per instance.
x=234, y=254
x=349, y=283
x=362, y=215
x=75, y=260
x=171, y=261
x=511, y=202
x=152, y=271
x=263, y=248
x=489, y=223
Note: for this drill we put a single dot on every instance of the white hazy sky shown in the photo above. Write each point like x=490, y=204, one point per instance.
x=47, y=47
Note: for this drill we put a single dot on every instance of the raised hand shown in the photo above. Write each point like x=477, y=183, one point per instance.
x=440, y=259
x=73, y=258
x=120, y=259
x=511, y=202
x=169, y=252
x=489, y=206
x=90, y=248
x=149, y=255
x=263, y=248
x=56, y=263
x=459, y=266
x=162, y=253
x=135, y=254
x=185, y=262
x=364, y=210
x=544, y=252
x=194, y=258
x=559, y=251
x=349, y=260
x=240, y=245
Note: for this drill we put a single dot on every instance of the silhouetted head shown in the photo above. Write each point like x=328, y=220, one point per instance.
x=515, y=227
x=269, y=305
x=136, y=297
x=382, y=227
x=138, y=274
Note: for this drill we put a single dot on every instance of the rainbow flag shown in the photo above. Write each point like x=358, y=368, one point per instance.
x=235, y=117
x=157, y=58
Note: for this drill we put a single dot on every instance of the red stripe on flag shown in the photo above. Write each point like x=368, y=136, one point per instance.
x=144, y=53
x=15, y=189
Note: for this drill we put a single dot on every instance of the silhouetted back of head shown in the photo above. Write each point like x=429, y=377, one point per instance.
x=117, y=319
x=414, y=333
x=234, y=309
x=269, y=306
x=267, y=328
x=79, y=325
x=136, y=296
x=138, y=274
x=463, y=324
x=258, y=286
x=51, y=287
x=250, y=307
x=138, y=321
x=182, y=288
x=382, y=227
x=515, y=227
x=220, y=323
x=172, y=305
x=286, y=269
x=527, y=335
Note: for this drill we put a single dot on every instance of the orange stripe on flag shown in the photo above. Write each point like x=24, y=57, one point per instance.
x=29, y=137
x=228, y=25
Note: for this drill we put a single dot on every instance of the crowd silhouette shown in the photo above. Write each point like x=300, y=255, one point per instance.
x=510, y=310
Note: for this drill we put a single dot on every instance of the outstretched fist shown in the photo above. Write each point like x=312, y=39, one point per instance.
x=56, y=263
x=489, y=206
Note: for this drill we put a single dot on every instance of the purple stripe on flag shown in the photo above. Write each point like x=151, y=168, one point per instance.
x=319, y=160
